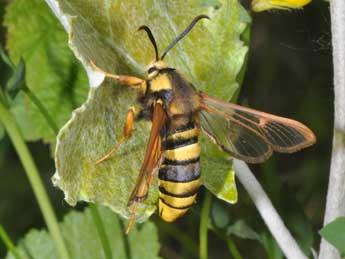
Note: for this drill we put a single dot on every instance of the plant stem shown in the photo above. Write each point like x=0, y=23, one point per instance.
x=336, y=193
x=233, y=249
x=184, y=239
x=36, y=183
x=42, y=109
x=205, y=211
x=268, y=213
x=8, y=243
x=230, y=244
x=101, y=231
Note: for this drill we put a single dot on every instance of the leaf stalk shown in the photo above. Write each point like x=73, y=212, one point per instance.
x=8, y=243
x=336, y=192
x=205, y=211
x=30, y=168
x=273, y=221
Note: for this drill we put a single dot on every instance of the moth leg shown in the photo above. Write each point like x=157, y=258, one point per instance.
x=142, y=193
x=152, y=161
x=127, y=132
x=155, y=169
x=122, y=79
x=143, y=190
x=132, y=217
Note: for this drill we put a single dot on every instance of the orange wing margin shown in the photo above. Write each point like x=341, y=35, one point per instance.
x=248, y=134
x=151, y=162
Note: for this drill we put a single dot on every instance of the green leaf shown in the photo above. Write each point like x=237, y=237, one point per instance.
x=271, y=246
x=218, y=174
x=220, y=214
x=334, y=233
x=2, y=131
x=80, y=233
x=242, y=230
x=94, y=129
x=210, y=57
x=16, y=81
x=5, y=57
x=52, y=73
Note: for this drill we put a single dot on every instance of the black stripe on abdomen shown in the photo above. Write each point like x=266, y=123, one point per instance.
x=180, y=195
x=176, y=207
x=177, y=143
x=188, y=126
x=181, y=162
x=180, y=173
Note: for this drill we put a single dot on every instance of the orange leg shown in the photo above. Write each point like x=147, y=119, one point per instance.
x=127, y=133
x=122, y=79
x=142, y=192
x=131, y=219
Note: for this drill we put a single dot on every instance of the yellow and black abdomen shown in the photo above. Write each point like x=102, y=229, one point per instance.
x=179, y=174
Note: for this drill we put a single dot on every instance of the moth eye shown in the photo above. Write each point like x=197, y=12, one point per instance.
x=151, y=69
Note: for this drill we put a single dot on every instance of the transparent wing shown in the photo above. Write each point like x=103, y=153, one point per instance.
x=248, y=134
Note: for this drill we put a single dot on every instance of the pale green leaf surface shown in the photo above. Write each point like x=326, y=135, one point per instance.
x=334, y=233
x=80, y=233
x=94, y=129
x=218, y=174
x=242, y=230
x=105, y=32
x=220, y=214
x=52, y=73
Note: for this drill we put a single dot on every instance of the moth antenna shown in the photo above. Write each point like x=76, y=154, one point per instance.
x=152, y=39
x=184, y=33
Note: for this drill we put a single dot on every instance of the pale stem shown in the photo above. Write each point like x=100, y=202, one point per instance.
x=335, y=204
x=268, y=213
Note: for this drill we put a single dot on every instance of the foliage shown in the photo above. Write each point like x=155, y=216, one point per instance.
x=211, y=56
x=52, y=73
x=117, y=47
x=334, y=233
x=81, y=235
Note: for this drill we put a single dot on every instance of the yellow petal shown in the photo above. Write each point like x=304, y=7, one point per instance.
x=262, y=5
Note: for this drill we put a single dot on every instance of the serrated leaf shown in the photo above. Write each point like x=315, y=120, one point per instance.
x=210, y=57
x=81, y=236
x=334, y=233
x=242, y=230
x=94, y=129
x=52, y=72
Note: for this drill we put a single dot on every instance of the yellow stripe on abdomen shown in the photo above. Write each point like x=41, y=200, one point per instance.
x=183, y=153
x=179, y=175
x=169, y=214
x=179, y=189
x=178, y=202
x=190, y=133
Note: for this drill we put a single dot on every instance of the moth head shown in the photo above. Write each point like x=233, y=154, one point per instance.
x=154, y=68
x=158, y=64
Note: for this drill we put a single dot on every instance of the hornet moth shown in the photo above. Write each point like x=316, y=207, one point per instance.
x=179, y=112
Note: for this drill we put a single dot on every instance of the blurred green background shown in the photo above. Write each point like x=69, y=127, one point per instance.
x=289, y=74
